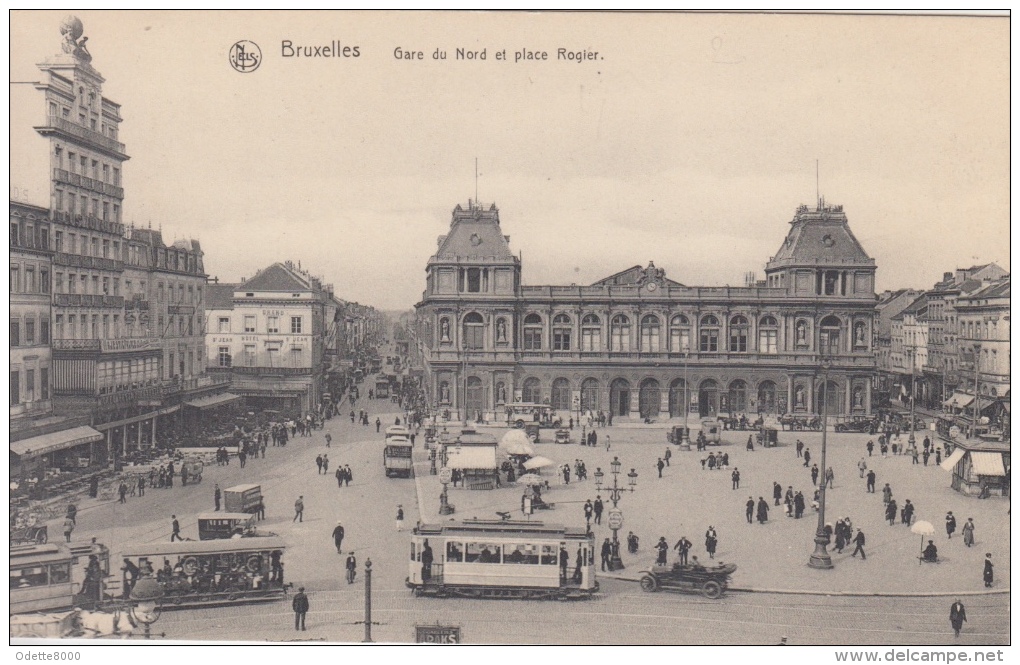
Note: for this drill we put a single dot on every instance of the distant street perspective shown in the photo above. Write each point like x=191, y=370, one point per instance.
x=529, y=452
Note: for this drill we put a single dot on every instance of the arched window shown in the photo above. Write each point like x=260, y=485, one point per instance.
x=708, y=339
x=561, y=394
x=591, y=333
x=767, y=397
x=619, y=333
x=532, y=332
x=590, y=395
x=474, y=331
x=679, y=334
x=561, y=332
x=768, y=335
x=829, y=335
x=738, y=334
x=650, y=333
x=531, y=391
x=738, y=396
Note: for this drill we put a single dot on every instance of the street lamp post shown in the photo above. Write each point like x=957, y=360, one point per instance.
x=977, y=393
x=913, y=361
x=146, y=595
x=368, y=601
x=685, y=439
x=820, y=557
x=615, y=515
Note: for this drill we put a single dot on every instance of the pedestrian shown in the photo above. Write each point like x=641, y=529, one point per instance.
x=400, y=517
x=798, y=505
x=378, y=424
x=426, y=561
x=735, y=477
x=660, y=465
x=217, y=495
x=318, y=463
x=814, y=475
x=908, y=512
x=968, y=532
x=349, y=475
x=325, y=464
x=938, y=456
x=830, y=476
x=840, y=537
x=667, y=455
x=329, y=439
x=598, y=507
x=750, y=443
x=777, y=492
x=564, y=563
x=925, y=457
x=589, y=510
x=862, y=466
x=988, y=573
x=957, y=615
x=749, y=512
x=711, y=540
x=950, y=524
x=301, y=606
x=141, y=485
x=662, y=547
x=763, y=511
x=870, y=446
x=859, y=542
x=800, y=448
x=807, y=457
x=890, y=511
x=338, y=537
x=607, y=438
x=886, y=493
x=68, y=528
x=352, y=567
x=683, y=546
x=175, y=529
x=122, y=490
x=299, y=509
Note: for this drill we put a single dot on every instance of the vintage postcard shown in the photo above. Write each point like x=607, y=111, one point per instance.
x=596, y=328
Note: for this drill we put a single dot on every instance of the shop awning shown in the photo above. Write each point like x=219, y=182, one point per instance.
x=987, y=464
x=48, y=443
x=959, y=400
x=210, y=401
x=471, y=457
x=951, y=461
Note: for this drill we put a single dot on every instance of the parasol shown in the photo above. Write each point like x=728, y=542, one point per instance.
x=924, y=528
x=516, y=442
x=538, y=462
x=530, y=479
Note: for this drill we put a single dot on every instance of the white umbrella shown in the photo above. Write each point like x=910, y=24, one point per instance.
x=516, y=442
x=538, y=462
x=924, y=528
x=530, y=479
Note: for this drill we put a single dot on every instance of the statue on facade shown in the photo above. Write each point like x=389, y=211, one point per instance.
x=859, y=334
x=444, y=330
x=801, y=332
x=71, y=30
x=444, y=393
x=501, y=330
x=859, y=398
x=798, y=396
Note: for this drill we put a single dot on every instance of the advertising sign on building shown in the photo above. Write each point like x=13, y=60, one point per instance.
x=437, y=634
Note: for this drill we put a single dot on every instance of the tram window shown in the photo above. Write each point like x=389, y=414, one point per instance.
x=60, y=573
x=413, y=544
x=454, y=553
x=527, y=554
x=26, y=577
x=481, y=553
x=550, y=555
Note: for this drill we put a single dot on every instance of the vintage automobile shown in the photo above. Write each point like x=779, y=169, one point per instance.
x=533, y=431
x=793, y=423
x=562, y=436
x=709, y=581
x=858, y=424
x=675, y=435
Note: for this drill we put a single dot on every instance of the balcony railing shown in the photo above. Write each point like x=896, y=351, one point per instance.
x=273, y=371
x=93, y=262
x=87, y=300
x=60, y=175
x=84, y=133
x=184, y=310
x=803, y=359
x=77, y=344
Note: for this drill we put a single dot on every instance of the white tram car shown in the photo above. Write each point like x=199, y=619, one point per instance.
x=502, y=559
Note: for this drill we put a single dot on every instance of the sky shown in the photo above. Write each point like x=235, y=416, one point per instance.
x=688, y=140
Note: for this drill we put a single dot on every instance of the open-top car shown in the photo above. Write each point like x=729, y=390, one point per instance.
x=858, y=424
x=709, y=581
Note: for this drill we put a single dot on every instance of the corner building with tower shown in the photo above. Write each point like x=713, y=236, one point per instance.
x=640, y=345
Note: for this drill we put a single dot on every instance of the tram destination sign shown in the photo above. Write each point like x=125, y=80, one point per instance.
x=436, y=634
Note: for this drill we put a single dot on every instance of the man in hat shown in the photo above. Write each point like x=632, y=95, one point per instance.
x=300, y=605
x=352, y=567
x=400, y=517
x=217, y=495
x=957, y=615
x=338, y=537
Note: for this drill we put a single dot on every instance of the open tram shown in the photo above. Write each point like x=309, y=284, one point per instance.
x=208, y=572
x=502, y=559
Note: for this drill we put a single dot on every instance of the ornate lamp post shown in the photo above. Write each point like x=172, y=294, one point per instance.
x=146, y=595
x=685, y=440
x=977, y=393
x=615, y=492
x=912, y=439
x=820, y=557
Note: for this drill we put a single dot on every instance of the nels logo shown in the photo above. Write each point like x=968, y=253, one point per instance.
x=245, y=56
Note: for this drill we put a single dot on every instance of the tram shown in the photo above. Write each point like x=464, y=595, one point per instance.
x=41, y=578
x=397, y=457
x=502, y=559
x=209, y=572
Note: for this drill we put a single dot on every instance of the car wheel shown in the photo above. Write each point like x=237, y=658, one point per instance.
x=649, y=583
x=711, y=589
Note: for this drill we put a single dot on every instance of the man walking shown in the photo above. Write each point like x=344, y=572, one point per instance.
x=217, y=495
x=400, y=517
x=122, y=490
x=300, y=605
x=667, y=455
x=807, y=457
x=329, y=439
x=859, y=542
x=800, y=448
x=735, y=477
x=141, y=485
x=871, y=481
x=338, y=537
x=589, y=510
x=299, y=509
x=777, y=492
x=957, y=615
x=318, y=463
x=862, y=466
x=763, y=511
x=683, y=546
x=814, y=475
x=660, y=465
x=598, y=509
x=352, y=568
x=175, y=529
x=750, y=510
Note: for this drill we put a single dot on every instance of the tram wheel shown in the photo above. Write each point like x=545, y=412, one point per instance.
x=711, y=589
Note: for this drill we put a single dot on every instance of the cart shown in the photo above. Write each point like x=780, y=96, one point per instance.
x=709, y=581
x=29, y=534
x=768, y=437
x=562, y=436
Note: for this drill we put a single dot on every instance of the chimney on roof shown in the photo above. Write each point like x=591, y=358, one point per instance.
x=947, y=276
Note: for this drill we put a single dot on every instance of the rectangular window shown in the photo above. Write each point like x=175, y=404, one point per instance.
x=224, y=356
x=295, y=325
x=15, y=332
x=106, y=248
x=15, y=388
x=561, y=339
x=58, y=329
x=532, y=339
x=44, y=332
x=709, y=341
x=249, y=355
x=30, y=385
x=738, y=340
x=106, y=173
x=44, y=280
x=106, y=286
x=474, y=336
x=30, y=332
x=72, y=328
x=295, y=356
x=591, y=339
x=768, y=341
x=249, y=324
x=44, y=383
x=15, y=278
x=273, y=324
x=58, y=236
x=29, y=280
x=95, y=246
x=224, y=324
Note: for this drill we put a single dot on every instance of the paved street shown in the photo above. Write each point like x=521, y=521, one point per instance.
x=683, y=502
